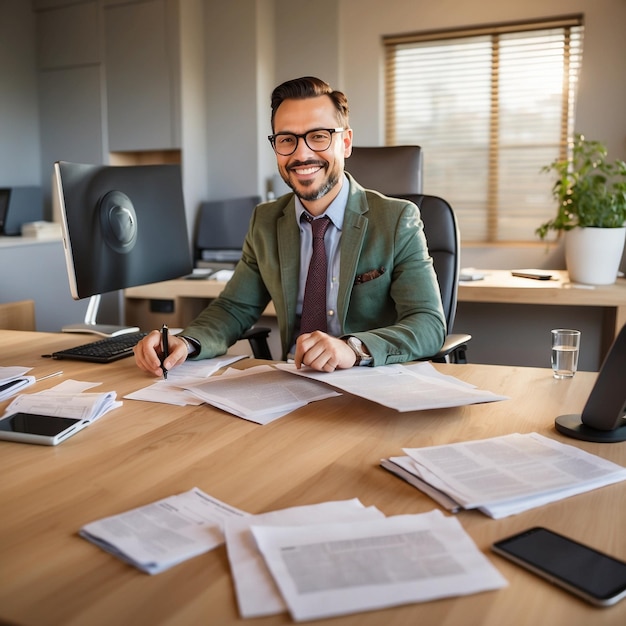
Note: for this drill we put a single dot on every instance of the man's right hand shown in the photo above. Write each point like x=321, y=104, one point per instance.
x=148, y=353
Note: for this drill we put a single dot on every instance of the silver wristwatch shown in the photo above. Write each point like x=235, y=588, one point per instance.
x=363, y=357
x=192, y=348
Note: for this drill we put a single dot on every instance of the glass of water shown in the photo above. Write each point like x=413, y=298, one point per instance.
x=565, y=349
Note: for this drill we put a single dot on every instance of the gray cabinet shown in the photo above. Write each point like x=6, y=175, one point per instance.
x=141, y=44
x=71, y=88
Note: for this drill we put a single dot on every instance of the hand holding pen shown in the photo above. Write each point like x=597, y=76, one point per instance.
x=165, y=348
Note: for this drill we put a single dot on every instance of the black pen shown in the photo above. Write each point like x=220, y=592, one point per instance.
x=165, y=347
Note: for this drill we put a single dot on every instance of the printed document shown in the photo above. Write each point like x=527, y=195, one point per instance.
x=326, y=570
x=67, y=399
x=158, y=536
x=257, y=593
x=172, y=391
x=507, y=475
x=13, y=379
x=260, y=394
x=415, y=387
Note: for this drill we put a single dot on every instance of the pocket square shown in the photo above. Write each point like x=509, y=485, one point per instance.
x=367, y=276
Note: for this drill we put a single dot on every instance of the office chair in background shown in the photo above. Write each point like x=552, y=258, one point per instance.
x=397, y=171
x=18, y=315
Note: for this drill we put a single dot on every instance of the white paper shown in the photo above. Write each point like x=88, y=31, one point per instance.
x=327, y=570
x=257, y=594
x=415, y=387
x=513, y=473
x=13, y=379
x=260, y=394
x=158, y=536
x=171, y=390
x=407, y=469
x=83, y=406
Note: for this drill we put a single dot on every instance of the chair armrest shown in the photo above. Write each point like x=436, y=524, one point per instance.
x=454, y=347
x=257, y=337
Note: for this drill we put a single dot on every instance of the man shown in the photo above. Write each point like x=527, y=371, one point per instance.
x=382, y=303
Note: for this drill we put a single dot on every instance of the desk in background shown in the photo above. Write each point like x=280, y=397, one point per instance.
x=178, y=302
x=487, y=309
x=499, y=286
x=328, y=450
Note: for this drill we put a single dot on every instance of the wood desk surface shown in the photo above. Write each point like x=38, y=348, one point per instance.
x=328, y=450
x=501, y=286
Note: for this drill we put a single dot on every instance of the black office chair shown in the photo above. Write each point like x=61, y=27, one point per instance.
x=397, y=171
x=392, y=170
x=442, y=234
x=444, y=244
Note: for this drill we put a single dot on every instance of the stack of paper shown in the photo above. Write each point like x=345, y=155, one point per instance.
x=415, y=387
x=315, y=561
x=257, y=593
x=259, y=394
x=331, y=569
x=13, y=380
x=504, y=475
x=67, y=400
x=157, y=536
x=172, y=390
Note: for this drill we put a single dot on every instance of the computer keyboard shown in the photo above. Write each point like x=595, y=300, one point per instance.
x=104, y=350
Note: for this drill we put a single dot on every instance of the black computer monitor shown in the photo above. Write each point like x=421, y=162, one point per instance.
x=221, y=229
x=122, y=226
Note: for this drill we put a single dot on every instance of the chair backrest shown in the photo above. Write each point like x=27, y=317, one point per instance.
x=18, y=315
x=442, y=234
x=397, y=171
x=392, y=170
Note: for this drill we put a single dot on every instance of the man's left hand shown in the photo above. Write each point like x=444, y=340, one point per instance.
x=323, y=352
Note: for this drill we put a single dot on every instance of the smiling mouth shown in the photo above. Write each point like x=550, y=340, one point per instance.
x=307, y=168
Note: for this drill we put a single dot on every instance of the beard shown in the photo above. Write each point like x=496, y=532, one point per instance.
x=305, y=191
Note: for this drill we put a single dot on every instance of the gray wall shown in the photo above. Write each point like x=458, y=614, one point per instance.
x=229, y=61
x=19, y=116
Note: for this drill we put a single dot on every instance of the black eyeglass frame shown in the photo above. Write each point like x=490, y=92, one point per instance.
x=303, y=136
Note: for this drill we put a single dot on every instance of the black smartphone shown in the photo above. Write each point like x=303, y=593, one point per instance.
x=45, y=430
x=534, y=274
x=584, y=571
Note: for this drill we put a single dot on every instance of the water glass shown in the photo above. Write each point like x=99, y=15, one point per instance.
x=565, y=349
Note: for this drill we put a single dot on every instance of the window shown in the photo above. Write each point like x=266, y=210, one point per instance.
x=489, y=106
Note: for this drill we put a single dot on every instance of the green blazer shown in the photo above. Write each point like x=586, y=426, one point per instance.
x=397, y=314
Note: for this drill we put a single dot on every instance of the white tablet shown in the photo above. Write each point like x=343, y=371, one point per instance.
x=45, y=430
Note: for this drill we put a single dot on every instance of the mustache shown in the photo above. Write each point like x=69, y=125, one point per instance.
x=308, y=163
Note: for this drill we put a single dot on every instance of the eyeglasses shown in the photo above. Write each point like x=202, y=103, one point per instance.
x=317, y=140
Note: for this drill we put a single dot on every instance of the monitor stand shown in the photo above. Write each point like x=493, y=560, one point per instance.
x=91, y=327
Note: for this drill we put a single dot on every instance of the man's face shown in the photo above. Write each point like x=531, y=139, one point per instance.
x=313, y=176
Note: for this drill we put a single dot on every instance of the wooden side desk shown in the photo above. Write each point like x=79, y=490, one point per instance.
x=499, y=286
x=328, y=450
x=175, y=302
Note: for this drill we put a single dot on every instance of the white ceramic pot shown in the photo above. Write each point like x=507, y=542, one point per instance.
x=593, y=255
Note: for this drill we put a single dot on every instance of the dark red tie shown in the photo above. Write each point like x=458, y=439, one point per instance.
x=314, y=303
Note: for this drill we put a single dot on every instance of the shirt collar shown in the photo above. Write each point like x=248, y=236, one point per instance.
x=335, y=210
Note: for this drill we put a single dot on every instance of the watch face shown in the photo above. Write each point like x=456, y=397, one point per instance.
x=355, y=344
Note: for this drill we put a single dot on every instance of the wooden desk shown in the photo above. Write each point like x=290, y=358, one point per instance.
x=499, y=286
x=180, y=301
x=329, y=450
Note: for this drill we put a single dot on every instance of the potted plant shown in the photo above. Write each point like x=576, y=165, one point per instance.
x=591, y=195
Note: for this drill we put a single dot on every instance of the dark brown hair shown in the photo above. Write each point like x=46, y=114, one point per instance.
x=310, y=87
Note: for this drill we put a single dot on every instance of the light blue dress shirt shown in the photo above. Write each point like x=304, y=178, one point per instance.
x=332, y=239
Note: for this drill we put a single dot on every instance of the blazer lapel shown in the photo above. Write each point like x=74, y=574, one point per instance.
x=289, y=264
x=352, y=236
